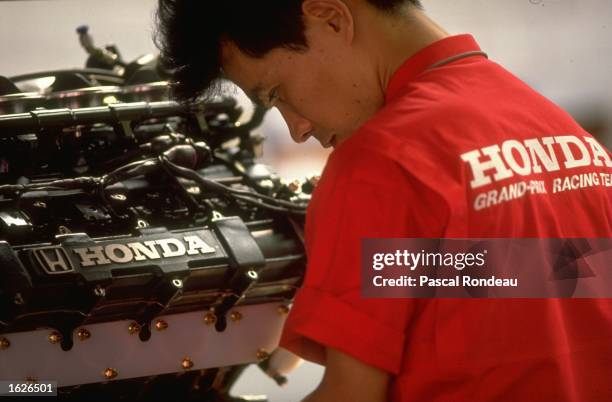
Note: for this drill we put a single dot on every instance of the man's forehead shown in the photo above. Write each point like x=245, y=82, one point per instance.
x=245, y=71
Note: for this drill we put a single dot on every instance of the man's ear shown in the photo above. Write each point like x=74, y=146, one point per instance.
x=332, y=14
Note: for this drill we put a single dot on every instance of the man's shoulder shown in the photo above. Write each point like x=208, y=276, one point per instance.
x=421, y=136
x=398, y=144
x=437, y=119
x=408, y=135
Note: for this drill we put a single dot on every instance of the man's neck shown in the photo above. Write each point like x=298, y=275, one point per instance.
x=395, y=38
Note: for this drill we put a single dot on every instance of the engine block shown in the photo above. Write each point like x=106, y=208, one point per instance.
x=144, y=252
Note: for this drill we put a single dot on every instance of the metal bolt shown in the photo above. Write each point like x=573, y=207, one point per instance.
x=4, y=343
x=235, y=316
x=99, y=291
x=40, y=204
x=63, y=230
x=210, y=319
x=141, y=223
x=118, y=197
x=252, y=274
x=18, y=299
x=177, y=283
x=262, y=354
x=83, y=334
x=160, y=325
x=193, y=190
x=186, y=363
x=283, y=310
x=55, y=337
x=110, y=373
x=133, y=328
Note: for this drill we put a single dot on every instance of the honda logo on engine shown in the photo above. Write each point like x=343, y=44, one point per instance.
x=54, y=260
x=124, y=253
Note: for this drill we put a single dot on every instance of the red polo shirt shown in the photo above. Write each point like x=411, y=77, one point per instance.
x=462, y=149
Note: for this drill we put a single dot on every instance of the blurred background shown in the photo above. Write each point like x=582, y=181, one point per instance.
x=562, y=48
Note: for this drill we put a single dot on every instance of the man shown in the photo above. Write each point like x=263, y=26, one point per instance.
x=422, y=125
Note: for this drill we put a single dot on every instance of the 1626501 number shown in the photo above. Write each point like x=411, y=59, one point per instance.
x=39, y=388
x=30, y=388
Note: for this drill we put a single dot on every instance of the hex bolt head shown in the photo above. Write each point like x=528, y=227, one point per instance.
x=186, y=364
x=210, y=319
x=235, y=316
x=110, y=373
x=160, y=325
x=83, y=334
x=55, y=337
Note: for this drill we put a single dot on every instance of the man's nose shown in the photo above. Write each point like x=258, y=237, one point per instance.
x=299, y=127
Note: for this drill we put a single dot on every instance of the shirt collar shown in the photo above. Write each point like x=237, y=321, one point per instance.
x=426, y=57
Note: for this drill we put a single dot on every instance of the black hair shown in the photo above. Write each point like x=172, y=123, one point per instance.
x=190, y=33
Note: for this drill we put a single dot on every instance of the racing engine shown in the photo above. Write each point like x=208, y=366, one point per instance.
x=144, y=252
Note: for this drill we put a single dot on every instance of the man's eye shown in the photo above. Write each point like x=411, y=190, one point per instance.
x=272, y=97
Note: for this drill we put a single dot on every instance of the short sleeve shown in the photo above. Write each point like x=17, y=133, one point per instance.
x=328, y=311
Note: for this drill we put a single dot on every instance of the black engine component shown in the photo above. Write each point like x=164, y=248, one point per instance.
x=115, y=211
